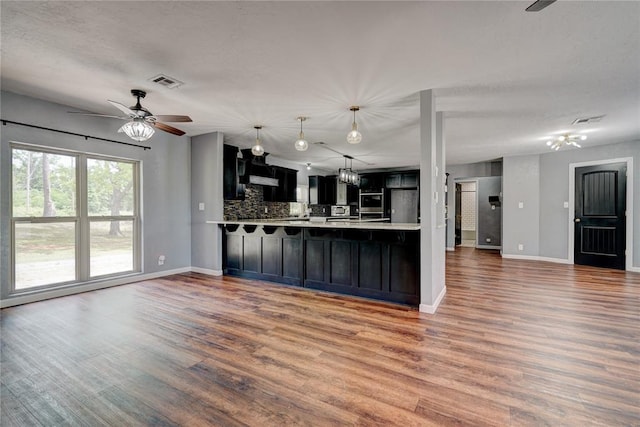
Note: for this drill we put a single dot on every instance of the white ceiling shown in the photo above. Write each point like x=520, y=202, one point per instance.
x=504, y=78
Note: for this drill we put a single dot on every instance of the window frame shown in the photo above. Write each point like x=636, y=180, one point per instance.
x=82, y=220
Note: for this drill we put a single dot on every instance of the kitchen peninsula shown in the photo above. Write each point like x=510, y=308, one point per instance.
x=368, y=259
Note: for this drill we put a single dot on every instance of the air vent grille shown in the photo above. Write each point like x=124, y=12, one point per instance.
x=166, y=81
x=585, y=120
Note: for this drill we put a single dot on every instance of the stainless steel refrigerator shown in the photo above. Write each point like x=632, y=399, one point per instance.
x=404, y=205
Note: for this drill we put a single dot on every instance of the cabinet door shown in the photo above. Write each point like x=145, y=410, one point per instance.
x=330, y=190
x=231, y=187
x=409, y=180
x=316, y=189
x=393, y=180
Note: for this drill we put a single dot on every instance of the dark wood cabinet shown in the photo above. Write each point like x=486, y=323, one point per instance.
x=286, y=189
x=322, y=190
x=378, y=264
x=371, y=182
x=402, y=180
x=232, y=189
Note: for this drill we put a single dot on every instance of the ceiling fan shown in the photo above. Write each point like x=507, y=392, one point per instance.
x=538, y=5
x=141, y=122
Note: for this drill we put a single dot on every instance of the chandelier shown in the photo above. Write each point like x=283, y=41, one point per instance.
x=567, y=139
x=347, y=174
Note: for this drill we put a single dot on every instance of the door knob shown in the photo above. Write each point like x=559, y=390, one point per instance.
x=577, y=220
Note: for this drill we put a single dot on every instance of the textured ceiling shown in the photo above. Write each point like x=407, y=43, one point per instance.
x=504, y=78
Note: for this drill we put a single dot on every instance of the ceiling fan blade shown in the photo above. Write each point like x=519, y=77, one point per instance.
x=538, y=5
x=128, y=111
x=167, y=128
x=98, y=115
x=173, y=118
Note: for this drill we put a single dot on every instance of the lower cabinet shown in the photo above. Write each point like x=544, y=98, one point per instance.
x=377, y=264
x=267, y=253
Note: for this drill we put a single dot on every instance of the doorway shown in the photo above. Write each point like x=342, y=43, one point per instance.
x=466, y=214
x=600, y=215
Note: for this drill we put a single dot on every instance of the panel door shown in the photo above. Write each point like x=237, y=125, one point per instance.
x=600, y=216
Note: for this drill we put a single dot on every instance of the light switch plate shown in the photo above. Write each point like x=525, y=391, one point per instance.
x=520, y=205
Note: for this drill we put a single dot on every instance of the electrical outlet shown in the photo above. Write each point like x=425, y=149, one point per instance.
x=161, y=259
x=520, y=247
x=488, y=240
x=201, y=206
x=520, y=205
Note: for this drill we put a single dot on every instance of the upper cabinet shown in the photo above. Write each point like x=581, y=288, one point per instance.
x=409, y=179
x=232, y=189
x=286, y=189
x=372, y=182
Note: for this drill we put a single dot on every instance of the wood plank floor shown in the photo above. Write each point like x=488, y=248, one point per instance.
x=514, y=343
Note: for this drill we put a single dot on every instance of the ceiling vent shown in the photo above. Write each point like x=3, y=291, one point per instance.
x=166, y=81
x=585, y=120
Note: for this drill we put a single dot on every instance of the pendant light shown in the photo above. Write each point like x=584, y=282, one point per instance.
x=257, y=150
x=301, y=144
x=138, y=129
x=347, y=174
x=354, y=137
x=308, y=166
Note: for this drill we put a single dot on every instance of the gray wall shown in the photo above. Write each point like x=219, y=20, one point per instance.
x=554, y=190
x=166, y=217
x=489, y=220
x=470, y=171
x=521, y=185
x=542, y=182
x=206, y=187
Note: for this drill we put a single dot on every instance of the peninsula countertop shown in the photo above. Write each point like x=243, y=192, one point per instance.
x=306, y=223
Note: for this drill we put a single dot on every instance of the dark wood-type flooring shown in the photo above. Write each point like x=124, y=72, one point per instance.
x=514, y=343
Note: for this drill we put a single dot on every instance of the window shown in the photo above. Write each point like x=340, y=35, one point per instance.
x=75, y=217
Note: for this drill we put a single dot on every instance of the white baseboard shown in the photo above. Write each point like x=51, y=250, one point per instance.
x=488, y=247
x=536, y=258
x=450, y=249
x=206, y=271
x=634, y=269
x=431, y=309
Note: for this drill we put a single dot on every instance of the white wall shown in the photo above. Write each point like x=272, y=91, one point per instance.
x=166, y=216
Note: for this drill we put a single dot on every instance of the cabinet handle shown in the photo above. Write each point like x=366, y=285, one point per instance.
x=577, y=220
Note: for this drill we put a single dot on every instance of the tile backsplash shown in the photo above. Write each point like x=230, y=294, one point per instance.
x=253, y=206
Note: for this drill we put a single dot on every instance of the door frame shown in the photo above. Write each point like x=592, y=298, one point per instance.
x=629, y=208
x=462, y=181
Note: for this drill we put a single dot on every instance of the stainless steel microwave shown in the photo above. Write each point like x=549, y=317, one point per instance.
x=340, y=210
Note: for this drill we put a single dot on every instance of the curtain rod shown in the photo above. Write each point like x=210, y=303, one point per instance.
x=4, y=122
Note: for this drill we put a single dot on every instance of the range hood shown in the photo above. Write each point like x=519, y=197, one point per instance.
x=254, y=170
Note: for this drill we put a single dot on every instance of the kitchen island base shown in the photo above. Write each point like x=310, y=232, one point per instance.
x=372, y=263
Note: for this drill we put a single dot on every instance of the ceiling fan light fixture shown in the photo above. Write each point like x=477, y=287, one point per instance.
x=301, y=144
x=138, y=130
x=354, y=137
x=567, y=139
x=257, y=149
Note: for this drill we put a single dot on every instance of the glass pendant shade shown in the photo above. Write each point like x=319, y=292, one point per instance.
x=257, y=150
x=301, y=144
x=354, y=137
x=138, y=130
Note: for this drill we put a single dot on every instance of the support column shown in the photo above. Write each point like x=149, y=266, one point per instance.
x=206, y=188
x=432, y=224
